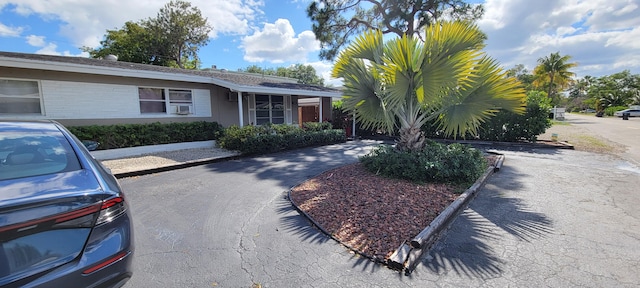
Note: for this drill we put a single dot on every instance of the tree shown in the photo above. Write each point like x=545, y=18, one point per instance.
x=179, y=30
x=131, y=43
x=580, y=88
x=553, y=74
x=405, y=83
x=523, y=75
x=258, y=70
x=335, y=22
x=171, y=39
x=617, y=89
x=611, y=100
x=305, y=74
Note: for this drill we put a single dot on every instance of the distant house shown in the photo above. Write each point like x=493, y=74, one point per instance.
x=83, y=91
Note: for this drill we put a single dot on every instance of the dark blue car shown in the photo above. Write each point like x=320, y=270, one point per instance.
x=64, y=220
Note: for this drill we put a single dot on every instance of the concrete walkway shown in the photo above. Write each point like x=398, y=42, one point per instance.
x=110, y=154
x=142, y=160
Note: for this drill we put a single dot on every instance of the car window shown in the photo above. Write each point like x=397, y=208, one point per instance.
x=26, y=154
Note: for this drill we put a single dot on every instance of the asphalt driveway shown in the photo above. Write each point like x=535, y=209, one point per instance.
x=557, y=218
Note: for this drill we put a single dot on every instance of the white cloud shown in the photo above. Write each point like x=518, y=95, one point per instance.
x=49, y=48
x=278, y=43
x=630, y=39
x=6, y=31
x=52, y=49
x=324, y=70
x=36, y=41
x=85, y=22
x=600, y=35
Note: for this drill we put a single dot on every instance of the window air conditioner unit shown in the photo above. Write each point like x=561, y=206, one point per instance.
x=183, y=109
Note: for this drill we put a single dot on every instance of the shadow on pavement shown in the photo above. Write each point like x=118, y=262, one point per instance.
x=464, y=248
x=298, y=225
x=291, y=168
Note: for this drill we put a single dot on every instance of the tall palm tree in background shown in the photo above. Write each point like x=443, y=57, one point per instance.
x=406, y=82
x=553, y=73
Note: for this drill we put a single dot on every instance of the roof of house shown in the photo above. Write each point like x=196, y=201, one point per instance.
x=235, y=81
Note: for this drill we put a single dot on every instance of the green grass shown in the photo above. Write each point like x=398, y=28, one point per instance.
x=560, y=123
x=593, y=141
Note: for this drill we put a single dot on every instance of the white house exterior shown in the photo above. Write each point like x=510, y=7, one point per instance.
x=83, y=91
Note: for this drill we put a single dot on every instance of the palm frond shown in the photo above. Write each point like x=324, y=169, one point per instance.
x=489, y=90
x=401, y=77
x=451, y=50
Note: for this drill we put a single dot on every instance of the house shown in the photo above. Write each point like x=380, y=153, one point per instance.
x=80, y=91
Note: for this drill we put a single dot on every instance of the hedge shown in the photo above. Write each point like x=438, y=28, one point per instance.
x=278, y=137
x=131, y=135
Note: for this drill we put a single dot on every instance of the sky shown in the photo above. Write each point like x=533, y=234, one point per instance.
x=601, y=36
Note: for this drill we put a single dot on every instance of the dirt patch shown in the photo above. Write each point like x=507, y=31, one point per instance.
x=582, y=139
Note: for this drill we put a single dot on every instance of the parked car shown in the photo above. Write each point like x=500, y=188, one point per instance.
x=588, y=111
x=64, y=220
x=632, y=112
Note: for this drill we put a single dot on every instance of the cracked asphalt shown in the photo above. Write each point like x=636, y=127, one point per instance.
x=549, y=218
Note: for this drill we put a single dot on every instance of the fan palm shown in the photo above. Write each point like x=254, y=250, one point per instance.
x=406, y=82
x=553, y=72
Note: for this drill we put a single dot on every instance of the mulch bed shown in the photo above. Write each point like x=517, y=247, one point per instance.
x=370, y=214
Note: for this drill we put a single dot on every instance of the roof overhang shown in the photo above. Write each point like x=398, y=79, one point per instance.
x=282, y=91
x=123, y=72
x=97, y=70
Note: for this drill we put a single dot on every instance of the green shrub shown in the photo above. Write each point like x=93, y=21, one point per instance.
x=340, y=118
x=610, y=110
x=506, y=126
x=317, y=126
x=131, y=135
x=276, y=137
x=454, y=163
x=510, y=127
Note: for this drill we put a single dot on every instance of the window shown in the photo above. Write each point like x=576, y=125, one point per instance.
x=269, y=109
x=155, y=100
x=180, y=101
x=152, y=100
x=26, y=154
x=19, y=97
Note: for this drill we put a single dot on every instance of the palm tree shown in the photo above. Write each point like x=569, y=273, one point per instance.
x=406, y=82
x=553, y=72
x=611, y=99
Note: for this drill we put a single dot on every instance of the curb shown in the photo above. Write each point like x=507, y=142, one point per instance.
x=544, y=144
x=175, y=166
x=408, y=255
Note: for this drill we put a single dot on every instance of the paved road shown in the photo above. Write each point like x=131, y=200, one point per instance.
x=625, y=132
x=555, y=218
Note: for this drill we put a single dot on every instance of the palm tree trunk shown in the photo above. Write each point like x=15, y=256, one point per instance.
x=411, y=120
x=411, y=139
x=551, y=76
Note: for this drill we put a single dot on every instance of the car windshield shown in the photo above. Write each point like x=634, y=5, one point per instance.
x=33, y=153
